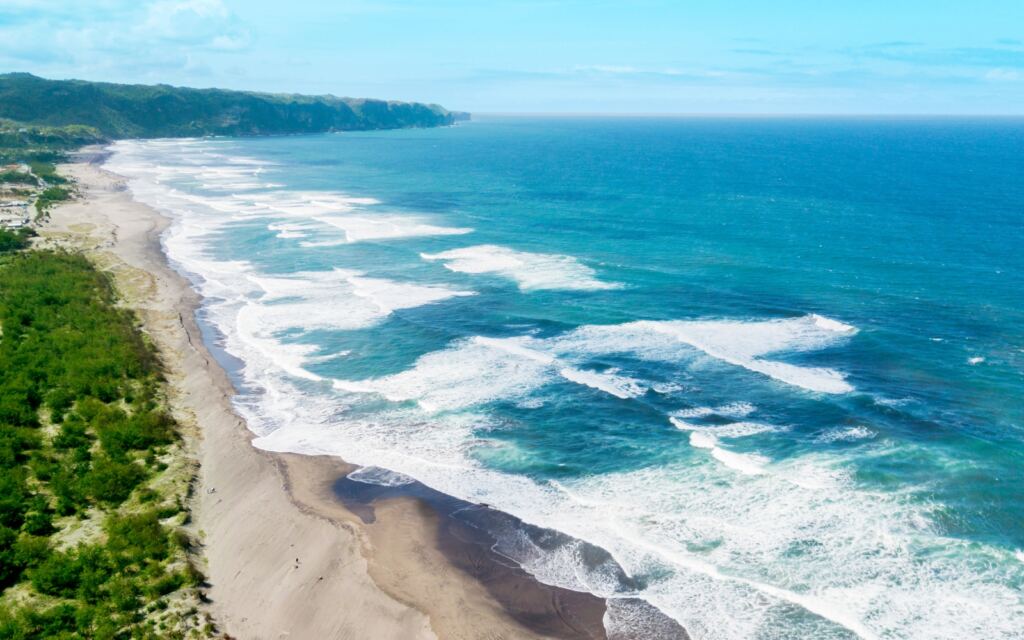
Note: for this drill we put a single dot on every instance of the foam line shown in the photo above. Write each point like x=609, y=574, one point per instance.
x=364, y=228
x=484, y=369
x=531, y=271
x=740, y=343
x=730, y=430
x=618, y=386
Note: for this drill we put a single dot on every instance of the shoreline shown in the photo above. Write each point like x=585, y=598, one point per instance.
x=282, y=551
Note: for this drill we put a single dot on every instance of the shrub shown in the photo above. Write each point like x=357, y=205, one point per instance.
x=16, y=443
x=135, y=538
x=60, y=622
x=13, y=240
x=58, y=575
x=112, y=481
x=10, y=568
x=14, y=498
x=12, y=176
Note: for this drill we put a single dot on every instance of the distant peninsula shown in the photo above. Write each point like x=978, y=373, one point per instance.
x=116, y=111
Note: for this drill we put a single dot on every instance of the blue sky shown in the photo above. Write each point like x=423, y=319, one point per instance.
x=653, y=56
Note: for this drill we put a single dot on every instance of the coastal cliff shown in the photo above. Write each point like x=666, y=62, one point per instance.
x=153, y=111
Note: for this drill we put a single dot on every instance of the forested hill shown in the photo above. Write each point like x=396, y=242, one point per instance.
x=147, y=111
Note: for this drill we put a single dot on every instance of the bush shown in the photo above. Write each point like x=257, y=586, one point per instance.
x=10, y=568
x=15, y=445
x=143, y=430
x=134, y=539
x=111, y=481
x=43, y=466
x=58, y=575
x=13, y=240
x=61, y=622
x=72, y=435
x=66, y=485
x=17, y=177
x=14, y=498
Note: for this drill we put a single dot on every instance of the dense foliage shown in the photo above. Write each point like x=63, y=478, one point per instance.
x=20, y=142
x=130, y=111
x=17, y=177
x=82, y=431
x=13, y=240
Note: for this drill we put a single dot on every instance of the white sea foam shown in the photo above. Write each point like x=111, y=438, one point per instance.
x=359, y=228
x=628, y=618
x=748, y=464
x=731, y=410
x=743, y=462
x=380, y=477
x=286, y=230
x=668, y=388
x=846, y=434
x=389, y=296
x=703, y=440
x=327, y=357
x=616, y=385
x=531, y=271
x=469, y=373
x=743, y=344
x=316, y=215
x=733, y=540
x=728, y=554
x=740, y=343
x=308, y=300
x=483, y=369
x=730, y=430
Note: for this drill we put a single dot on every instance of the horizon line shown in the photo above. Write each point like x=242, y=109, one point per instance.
x=735, y=114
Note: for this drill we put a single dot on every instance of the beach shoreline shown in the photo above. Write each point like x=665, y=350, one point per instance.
x=284, y=556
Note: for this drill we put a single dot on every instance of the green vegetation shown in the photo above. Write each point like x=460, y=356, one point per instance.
x=39, y=148
x=47, y=171
x=17, y=177
x=20, y=142
x=134, y=111
x=90, y=513
x=14, y=240
x=49, y=197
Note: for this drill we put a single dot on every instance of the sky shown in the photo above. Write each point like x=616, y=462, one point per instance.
x=548, y=56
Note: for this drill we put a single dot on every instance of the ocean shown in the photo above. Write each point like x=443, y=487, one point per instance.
x=774, y=367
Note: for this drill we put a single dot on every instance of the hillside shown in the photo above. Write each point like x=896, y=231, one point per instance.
x=135, y=111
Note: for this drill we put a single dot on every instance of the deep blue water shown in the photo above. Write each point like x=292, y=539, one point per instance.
x=773, y=366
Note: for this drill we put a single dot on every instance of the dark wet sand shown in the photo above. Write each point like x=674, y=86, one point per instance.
x=463, y=535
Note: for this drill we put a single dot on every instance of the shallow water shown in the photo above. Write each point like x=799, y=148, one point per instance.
x=773, y=367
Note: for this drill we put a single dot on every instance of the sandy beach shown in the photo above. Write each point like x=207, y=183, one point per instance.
x=284, y=556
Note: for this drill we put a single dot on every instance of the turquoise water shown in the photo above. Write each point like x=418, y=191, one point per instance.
x=773, y=366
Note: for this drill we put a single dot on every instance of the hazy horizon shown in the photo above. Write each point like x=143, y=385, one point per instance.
x=547, y=57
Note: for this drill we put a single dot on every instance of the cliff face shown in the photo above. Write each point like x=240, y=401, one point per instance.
x=133, y=111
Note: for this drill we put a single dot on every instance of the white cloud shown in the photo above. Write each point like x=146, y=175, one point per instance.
x=194, y=22
x=118, y=38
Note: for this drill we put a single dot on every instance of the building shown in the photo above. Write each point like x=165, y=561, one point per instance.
x=14, y=214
